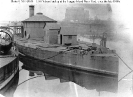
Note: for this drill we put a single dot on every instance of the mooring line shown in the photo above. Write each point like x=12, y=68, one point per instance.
x=124, y=62
x=28, y=80
x=125, y=75
x=126, y=65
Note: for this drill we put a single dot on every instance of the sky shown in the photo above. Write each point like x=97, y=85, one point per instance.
x=19, y=11
x=121, y=12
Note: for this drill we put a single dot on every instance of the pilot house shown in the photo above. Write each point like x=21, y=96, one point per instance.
x=42, y=28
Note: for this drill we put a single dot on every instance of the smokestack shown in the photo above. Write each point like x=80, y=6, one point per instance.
x=31, y=10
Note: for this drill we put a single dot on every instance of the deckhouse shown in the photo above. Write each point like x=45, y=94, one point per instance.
x=42, y=28
x=35, y=24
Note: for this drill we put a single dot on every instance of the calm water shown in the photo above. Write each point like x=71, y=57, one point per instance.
x=39, y=87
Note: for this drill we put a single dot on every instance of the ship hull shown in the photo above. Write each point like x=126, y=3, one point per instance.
x=98, y=72
x=8, y=74
x=85, y=78
x=9, y=89
x=101, y=64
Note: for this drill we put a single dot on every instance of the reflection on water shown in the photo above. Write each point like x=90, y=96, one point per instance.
x=100, y=83
x=39, y=87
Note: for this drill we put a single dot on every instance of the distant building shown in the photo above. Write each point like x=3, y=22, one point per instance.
x=87, y=15
x=76, y=14
x=16, y=27
x=84, y=14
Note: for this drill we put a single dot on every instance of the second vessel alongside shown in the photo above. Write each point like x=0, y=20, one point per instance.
x=9, y=63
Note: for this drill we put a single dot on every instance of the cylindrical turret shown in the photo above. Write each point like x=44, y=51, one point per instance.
x=31, y=10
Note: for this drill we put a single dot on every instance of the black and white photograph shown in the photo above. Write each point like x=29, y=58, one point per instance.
x=66, y=48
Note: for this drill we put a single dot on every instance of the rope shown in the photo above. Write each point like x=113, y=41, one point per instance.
x=56, y=54
x=124, y=62
x=60, y=53
x=29, y=79
x=126, y=65
x=125, y=75
x=118, y=57
x=69, y=50
x=52, y=56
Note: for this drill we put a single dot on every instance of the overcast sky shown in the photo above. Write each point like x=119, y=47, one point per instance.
x=20, y=11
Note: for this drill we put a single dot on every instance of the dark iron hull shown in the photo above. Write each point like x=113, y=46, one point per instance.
x=9, y=74
x=91, y=72
x=84, y=78
x=97, y=64
x=10, y=88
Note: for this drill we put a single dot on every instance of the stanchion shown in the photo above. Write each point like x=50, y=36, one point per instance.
x=132, y=84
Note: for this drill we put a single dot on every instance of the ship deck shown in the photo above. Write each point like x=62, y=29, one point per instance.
x=54, y=47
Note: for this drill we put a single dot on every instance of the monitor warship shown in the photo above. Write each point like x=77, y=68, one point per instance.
x=55, y=50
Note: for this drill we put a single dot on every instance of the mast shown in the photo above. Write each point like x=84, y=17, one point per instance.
x=103, y=40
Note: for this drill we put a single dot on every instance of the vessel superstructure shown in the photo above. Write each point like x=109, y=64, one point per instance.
x=47, y=46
